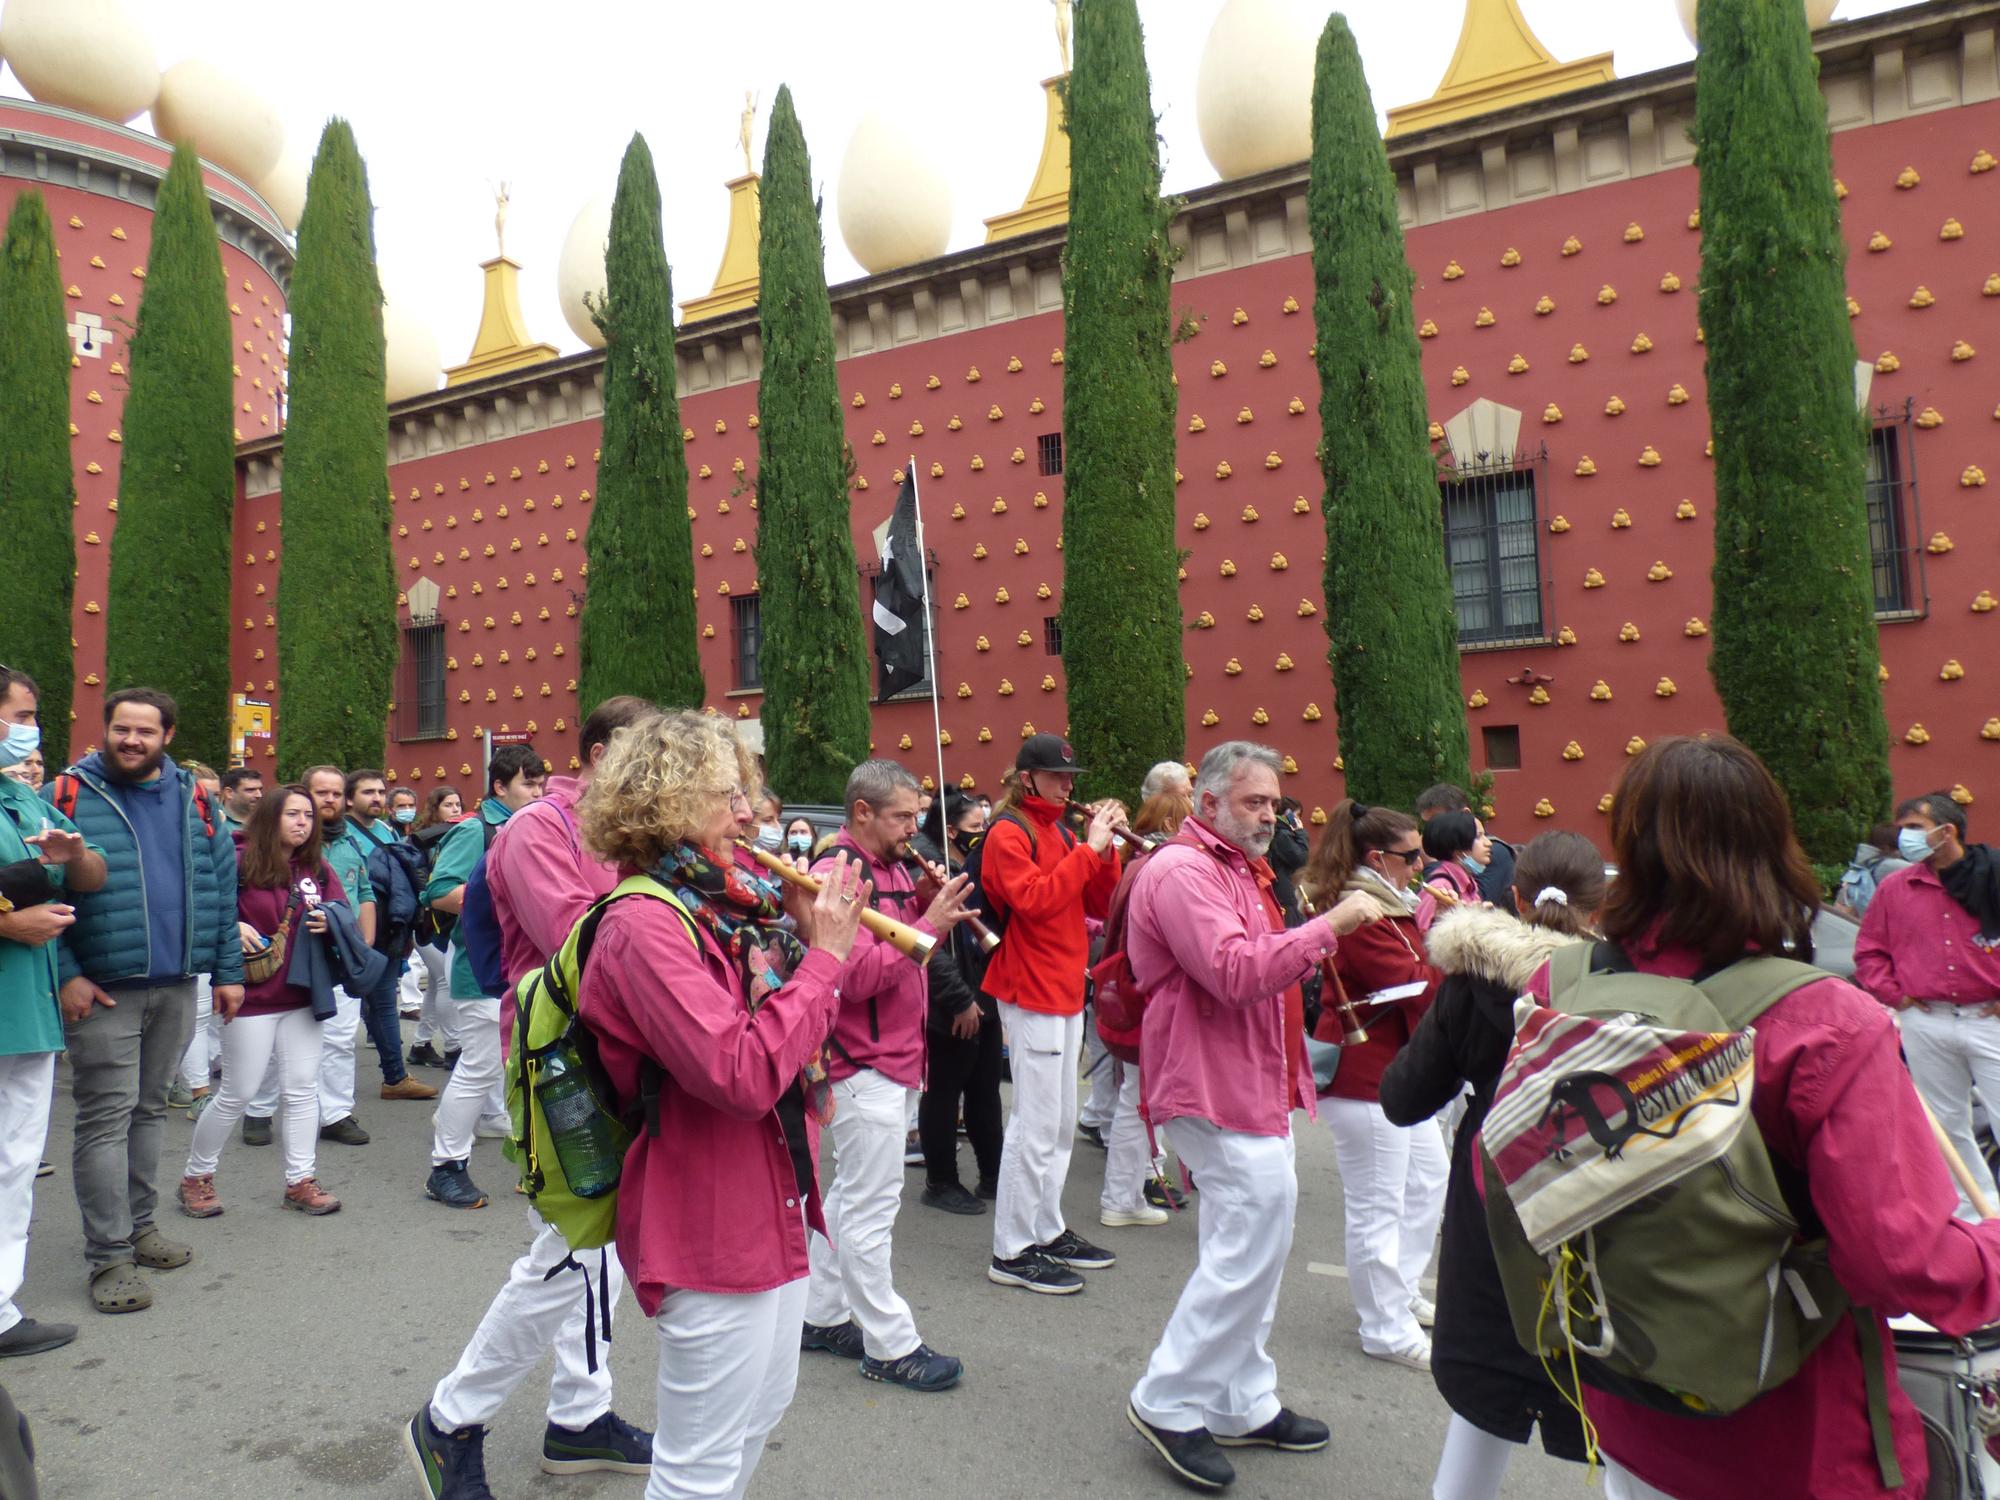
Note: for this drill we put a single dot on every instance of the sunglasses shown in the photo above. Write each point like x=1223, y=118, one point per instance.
x=1407, y=856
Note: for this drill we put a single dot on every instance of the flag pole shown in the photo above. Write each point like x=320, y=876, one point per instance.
x=930, y=663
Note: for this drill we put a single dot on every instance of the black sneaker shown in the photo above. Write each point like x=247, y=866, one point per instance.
x=843, y=1339
x=424, y=1055
x=1193, y=1456
x=1287, y=1431
x=1093, y=1135
x=952, y=1198
x=256, y=1132
x=453, y=1186
x=1071, y=1249
x=451, y=1058
x=30, y=1337
x=1165, y=1195
x=1036, y=1272
x=345, y=1132
x=987, y=1189
x=922, y=1369
x=610, y=1445
x=449, y=1465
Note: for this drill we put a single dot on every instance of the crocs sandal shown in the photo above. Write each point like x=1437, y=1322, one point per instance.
x=120, y=1289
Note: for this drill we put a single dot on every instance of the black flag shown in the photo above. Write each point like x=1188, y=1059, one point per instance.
x=899, y=597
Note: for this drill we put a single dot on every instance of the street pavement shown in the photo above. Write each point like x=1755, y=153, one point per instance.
x=286, y=1358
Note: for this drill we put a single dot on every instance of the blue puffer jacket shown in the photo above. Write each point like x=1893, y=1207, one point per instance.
x=109, y=942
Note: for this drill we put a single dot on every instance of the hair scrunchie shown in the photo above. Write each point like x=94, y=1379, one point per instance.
x=1552, y=894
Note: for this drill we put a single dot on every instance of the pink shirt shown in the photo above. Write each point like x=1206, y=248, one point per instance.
x=1831, y=1097
x=883, y=995
x=1916, y=941
x=542, y=882
x=711, y=1204
x=1199, y=937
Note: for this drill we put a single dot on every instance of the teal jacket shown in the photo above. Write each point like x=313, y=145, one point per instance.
x=110, y=942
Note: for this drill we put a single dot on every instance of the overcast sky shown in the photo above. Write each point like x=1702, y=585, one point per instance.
x=448, y=95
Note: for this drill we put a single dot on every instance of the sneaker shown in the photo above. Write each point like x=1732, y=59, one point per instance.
x=451, y=1185
x=952, y=1198
x=30, y=1337
x=1165, y=1195
x=610, y=1445
x=424, y=1055
x=407, y=1087
x=1424, y=1311
x=197, y=1196
x=199, y=1103
x=178, y=1095
x=922, y=1369
x=451, y=1058
x=1071, y=1249
x=1192, y=1455
x=1288, y=1432
x=493, y=1128
x=1091, y=1134
x=913, y=1150
x=256, y=1131
x=843, y=1339
x=987, y=1189
x=449, y=1465
x=346, y=1131
x=1036, y=1272
x=1416, y=1357
x=1132, y=1218
x=308, y=1197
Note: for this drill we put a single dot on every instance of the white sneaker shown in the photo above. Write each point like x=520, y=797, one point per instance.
x=1132, y=1218
x=1425, y=1311
x=1416, y=1357
x=493, y=1128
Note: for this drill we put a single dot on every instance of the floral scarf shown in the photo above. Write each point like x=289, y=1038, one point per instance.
x=744, y=912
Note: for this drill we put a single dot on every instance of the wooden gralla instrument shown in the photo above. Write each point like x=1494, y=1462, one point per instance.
x=1124, y=838
x=905, y=939
x=985, y=936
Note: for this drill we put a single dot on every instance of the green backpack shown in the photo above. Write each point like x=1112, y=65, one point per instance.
x=570, y=1132
x=1637, y=1218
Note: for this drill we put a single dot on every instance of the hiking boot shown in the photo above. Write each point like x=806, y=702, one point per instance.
x=346, y=1131
x=922, y=1369
x=407, y=1087
x=1036, y=1272
x=179, y=1096
x=1071, y=1249
x=30, y=1337
x=451, y=1185
x=424, y=1055
x=156, y=1252
x=449, y=1465
x=951, y=1197
x=843, y=1339
x=1091, y=1134
x=198, y=1197
x=1165, y=1195
x=1288, y=1432
x=1192, y=1455
x=1132, y=1218
x=308, y=1197
x=256, y=1130
x=610, y=1445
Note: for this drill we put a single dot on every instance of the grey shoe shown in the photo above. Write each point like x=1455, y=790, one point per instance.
x=256, y=1132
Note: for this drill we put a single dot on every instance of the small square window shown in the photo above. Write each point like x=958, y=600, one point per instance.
x=1050, y=445
x=1052, y=634
x=1503, y=746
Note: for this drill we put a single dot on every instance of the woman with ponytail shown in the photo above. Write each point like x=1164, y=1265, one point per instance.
x=1392, y=1180
x=1497, y=1392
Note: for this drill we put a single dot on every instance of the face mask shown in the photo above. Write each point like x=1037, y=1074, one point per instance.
x=800, y=843
x=22, y=741
x=405, y=815
x=1914, y=844
x=770, y=836
x=1476, y=866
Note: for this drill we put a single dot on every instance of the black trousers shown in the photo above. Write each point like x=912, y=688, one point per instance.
x=968, y=1069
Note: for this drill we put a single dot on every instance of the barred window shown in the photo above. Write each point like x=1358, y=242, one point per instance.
x=1492, y=548
x=421, y=702
x=1051, y=452
x=746, y=625
x=1896, y=558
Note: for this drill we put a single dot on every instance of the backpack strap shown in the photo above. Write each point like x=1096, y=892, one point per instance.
x=64, y=796
x=1874, y=1378
x=201, y=806
x=1750, y=986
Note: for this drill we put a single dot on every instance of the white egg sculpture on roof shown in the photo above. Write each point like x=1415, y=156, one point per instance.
x=1253, y=96
x=284, y=188
x=1818, y=13
x=221, y=116
x=88, y=55
x=580, y=270
x=894, y=200
x=413, y=364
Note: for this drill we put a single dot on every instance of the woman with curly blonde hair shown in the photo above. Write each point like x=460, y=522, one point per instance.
x=710, y=999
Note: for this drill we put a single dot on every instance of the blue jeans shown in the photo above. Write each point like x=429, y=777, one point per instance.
x=385, y=1024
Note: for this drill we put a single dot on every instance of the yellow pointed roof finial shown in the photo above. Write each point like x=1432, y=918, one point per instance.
x=503, y=342
x=1500, y=62
x=1047, y=202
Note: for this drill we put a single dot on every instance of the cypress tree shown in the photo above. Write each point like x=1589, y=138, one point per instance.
x=1794, y=654
x=1121, y=615
x=337, y=590
x=168, y=613
x=815, y=651
x=1391, y=630
x=37, y=488
x=637, y=633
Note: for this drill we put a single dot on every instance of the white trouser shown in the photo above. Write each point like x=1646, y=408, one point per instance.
x=1210, y=1368
x=198, y=1062
x=470, y=1092
x=1100, y=1071
x=337, y=1037
x=1473, y=1463
x=1953, y=1049
x=533, y=1312
x=27, y=1083
x=729, y=1363
x=1623, y=1484
x=432, y=976
x=1129, y=1162
x=1392, y=1182
x=1034, y=1162
x=286, y=1048
x=851, y=1275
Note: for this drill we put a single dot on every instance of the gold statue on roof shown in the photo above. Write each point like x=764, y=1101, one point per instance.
x=743, y=128
x=1062, y=30
x=500, y=201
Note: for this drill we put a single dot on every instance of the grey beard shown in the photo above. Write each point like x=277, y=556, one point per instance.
x=1251, y=838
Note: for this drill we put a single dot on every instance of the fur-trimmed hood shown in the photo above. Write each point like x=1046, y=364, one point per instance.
x=1486, y=943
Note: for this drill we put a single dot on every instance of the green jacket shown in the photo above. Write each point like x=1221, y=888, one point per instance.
x=29, y=1018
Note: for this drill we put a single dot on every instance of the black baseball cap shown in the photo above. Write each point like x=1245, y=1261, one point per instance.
x=1046, y=752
